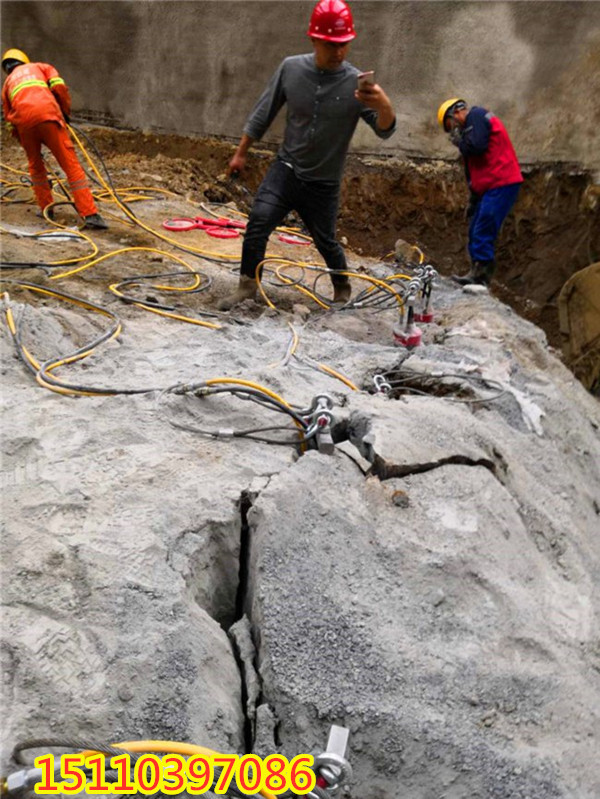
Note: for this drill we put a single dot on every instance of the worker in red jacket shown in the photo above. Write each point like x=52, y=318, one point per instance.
x=37, y=103
x=493, y=175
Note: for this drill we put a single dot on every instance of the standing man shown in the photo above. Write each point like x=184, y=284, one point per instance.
x=493, y=176
x=324, y=105
x=37, y=103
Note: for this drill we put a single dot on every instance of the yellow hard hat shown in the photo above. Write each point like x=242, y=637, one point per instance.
x=445, y=107
x=15, y=55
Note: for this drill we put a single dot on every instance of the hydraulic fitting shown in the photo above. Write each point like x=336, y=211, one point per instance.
x=410, y=336
x=427, y=274
x=381, y=384
x=332, y=769
x=20, y=781
x=319, y=419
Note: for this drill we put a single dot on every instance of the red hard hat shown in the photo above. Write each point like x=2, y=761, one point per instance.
x=331, y=20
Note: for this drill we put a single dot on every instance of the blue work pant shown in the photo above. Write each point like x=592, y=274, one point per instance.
x=490, y=213
x=281, y=192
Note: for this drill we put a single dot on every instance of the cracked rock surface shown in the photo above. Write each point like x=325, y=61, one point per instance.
x=433, y=585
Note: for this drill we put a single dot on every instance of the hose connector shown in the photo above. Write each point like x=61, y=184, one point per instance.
x=20, y=781
x=382, y=386
x=332, y=769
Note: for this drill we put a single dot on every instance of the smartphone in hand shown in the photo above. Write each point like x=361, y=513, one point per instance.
x=365, y=80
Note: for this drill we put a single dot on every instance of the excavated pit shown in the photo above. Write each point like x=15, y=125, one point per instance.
x=553, y=231
x=272, y=594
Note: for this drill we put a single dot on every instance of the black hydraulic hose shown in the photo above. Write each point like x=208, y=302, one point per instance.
x=44, y=368
x=205, y=284
x=399, y=379
x=28, y=265
x=92, y=144
x=243, y=392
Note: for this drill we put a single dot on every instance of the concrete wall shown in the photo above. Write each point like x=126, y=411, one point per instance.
x=197, y=67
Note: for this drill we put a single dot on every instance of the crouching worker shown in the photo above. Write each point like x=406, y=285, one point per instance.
x=493, y=175
x=37, y=103
x=324, y=104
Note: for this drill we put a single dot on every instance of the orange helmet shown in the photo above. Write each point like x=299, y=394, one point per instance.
x=331, y=20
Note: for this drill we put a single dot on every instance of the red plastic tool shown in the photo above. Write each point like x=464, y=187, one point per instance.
x=426, y=317
x=288, y=238
x=408, y=337
x=222, y=232
x=184, y=223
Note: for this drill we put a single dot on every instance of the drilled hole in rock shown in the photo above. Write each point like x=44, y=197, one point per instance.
x=403, y=384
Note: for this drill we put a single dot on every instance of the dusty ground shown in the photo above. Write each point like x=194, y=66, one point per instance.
x=553, y=231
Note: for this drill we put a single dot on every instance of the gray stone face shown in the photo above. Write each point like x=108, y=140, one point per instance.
x=433, y=585
x=442, y=634
x=452, y=631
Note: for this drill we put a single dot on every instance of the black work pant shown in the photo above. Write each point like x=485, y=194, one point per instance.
x=316, y=203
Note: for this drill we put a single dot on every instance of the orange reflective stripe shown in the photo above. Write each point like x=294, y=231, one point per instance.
x=25, y=85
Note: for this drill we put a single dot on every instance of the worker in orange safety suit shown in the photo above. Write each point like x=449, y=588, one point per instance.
x=37, y=103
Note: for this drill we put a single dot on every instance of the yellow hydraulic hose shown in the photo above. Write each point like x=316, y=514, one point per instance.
x=316, y=267
x=160, y=287
x=54, y=364
x=175, y=748
x=214, y=381
x=37, y=366
x=3, y=165
x=120, y=252
x=162, y=312
x=339, y=376
x=127, y=212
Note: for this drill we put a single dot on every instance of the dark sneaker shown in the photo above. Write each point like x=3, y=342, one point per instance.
x=94, y=221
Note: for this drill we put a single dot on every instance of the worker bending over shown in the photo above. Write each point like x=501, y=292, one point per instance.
x=324, y=104
x=37, y=103
x=493, y=176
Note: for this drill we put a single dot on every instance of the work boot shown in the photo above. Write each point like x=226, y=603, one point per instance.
x=49, y=214
x=488, y=269
x=476, y=275
x=342, y=290
x=246, y=290
x=94, y=221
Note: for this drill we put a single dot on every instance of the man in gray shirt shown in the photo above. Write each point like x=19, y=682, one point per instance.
x=324, y=102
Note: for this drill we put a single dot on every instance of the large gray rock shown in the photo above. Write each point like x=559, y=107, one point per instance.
x=433, y=585
x=446, y=609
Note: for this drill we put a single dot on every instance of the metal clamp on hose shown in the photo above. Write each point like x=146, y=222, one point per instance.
x=427, y=275
x=319, y=419
x=20, y=781
x=381, y=384
x=332, y=769
x=410, y=335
